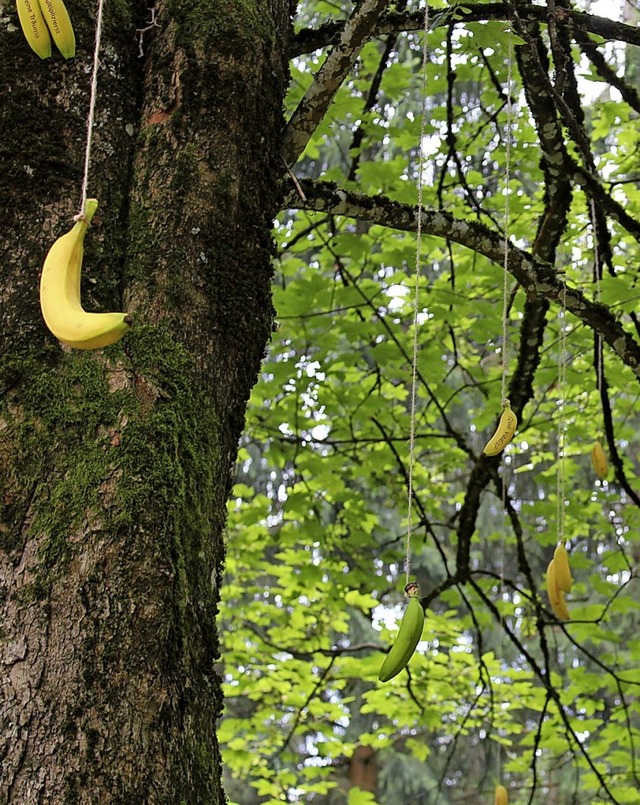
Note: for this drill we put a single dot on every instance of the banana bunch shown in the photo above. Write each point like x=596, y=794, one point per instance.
x=44, y=20
x=502, y=798
x=407, y=638
x=504, y=432
x=60, y=293
x=559, y=582
x=599, y=461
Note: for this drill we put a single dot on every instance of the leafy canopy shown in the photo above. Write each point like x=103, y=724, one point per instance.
x=499, y=690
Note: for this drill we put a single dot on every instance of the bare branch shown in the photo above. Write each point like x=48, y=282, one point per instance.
x=538, y=278
x=309, y=40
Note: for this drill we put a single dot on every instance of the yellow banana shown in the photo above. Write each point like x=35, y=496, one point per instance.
x=599, y=460
x=60, y=294
x=561, y=565
x=556, y=596
x=407, y=638
x=34, y=27
x=502, y=798
x=504, y=432
x=57, y=19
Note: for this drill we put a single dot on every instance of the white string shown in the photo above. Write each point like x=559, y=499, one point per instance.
x=416, y=298
x=92, y=107
x=596, y=268
x=506, y=225
x=505, y=316
x=562, y=374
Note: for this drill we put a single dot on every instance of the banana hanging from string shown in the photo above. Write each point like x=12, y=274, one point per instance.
x=34, y=27
x=502, y=797
x=599, y=461
x=60, y=293
x=407, y=638
x=562, y=569
x=504, y=432
x=556, y=596
x=57, y=18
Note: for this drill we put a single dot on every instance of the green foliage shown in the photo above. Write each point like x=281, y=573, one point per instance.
x=497, y=689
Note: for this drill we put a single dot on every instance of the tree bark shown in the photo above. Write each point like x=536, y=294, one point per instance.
x=115, y=464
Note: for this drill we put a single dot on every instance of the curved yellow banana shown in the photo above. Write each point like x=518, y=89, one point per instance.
x=407, y=638
x=556, y=596
x=504, y=432
x=502, y=798
x=562, y=569
x=34, y=27
x=60, y=294
x=57, y=18
x=599, y=461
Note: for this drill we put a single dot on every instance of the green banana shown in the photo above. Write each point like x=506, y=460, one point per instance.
x=60, y=293
x=57, y=18
x=34, y=27
x=504, y=432
x=407, y=638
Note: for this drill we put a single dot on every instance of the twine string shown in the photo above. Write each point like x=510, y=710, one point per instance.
x=416, y=297
x=596, y=270
x=92, y=108
x=506, y=225
x=505, y=319
x=562, y=373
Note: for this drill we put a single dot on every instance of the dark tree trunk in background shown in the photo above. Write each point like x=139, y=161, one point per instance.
x=115, y=465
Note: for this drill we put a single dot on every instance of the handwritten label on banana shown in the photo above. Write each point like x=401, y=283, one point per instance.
x=504, y=432
x=43, y=21
x=407, y=638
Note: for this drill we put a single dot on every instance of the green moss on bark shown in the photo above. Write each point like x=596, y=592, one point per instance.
x=231, y=25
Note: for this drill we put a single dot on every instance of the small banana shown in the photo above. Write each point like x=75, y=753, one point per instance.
x=599, y=461
x=562, y=570
x=556, y=596
x=57, y=18
x=408, y=636
x=502, y=798
x=60, y=293
x=504, y=432
x=34, y=27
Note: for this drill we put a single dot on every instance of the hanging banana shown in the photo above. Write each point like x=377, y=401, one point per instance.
x=562, y=569
x=556, y=596
x=60, y=293
x=504, y=432
x=599, y=461
x=34, y=27
x=407, y=638
x=57, y=18
x=502, y=798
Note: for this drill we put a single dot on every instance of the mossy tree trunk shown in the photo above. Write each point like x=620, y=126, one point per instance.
x=115, y=464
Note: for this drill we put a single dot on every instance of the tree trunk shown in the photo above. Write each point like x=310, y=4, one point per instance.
x=115, y=464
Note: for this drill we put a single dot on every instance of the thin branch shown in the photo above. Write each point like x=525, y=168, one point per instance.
x=538, y=278
x=308, y=40
x=313, y=106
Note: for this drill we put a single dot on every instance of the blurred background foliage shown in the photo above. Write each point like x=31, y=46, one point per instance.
x=498, y=690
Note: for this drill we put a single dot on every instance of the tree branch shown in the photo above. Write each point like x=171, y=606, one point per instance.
x=309, y=40
x=339, y=62
x=538, y=278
